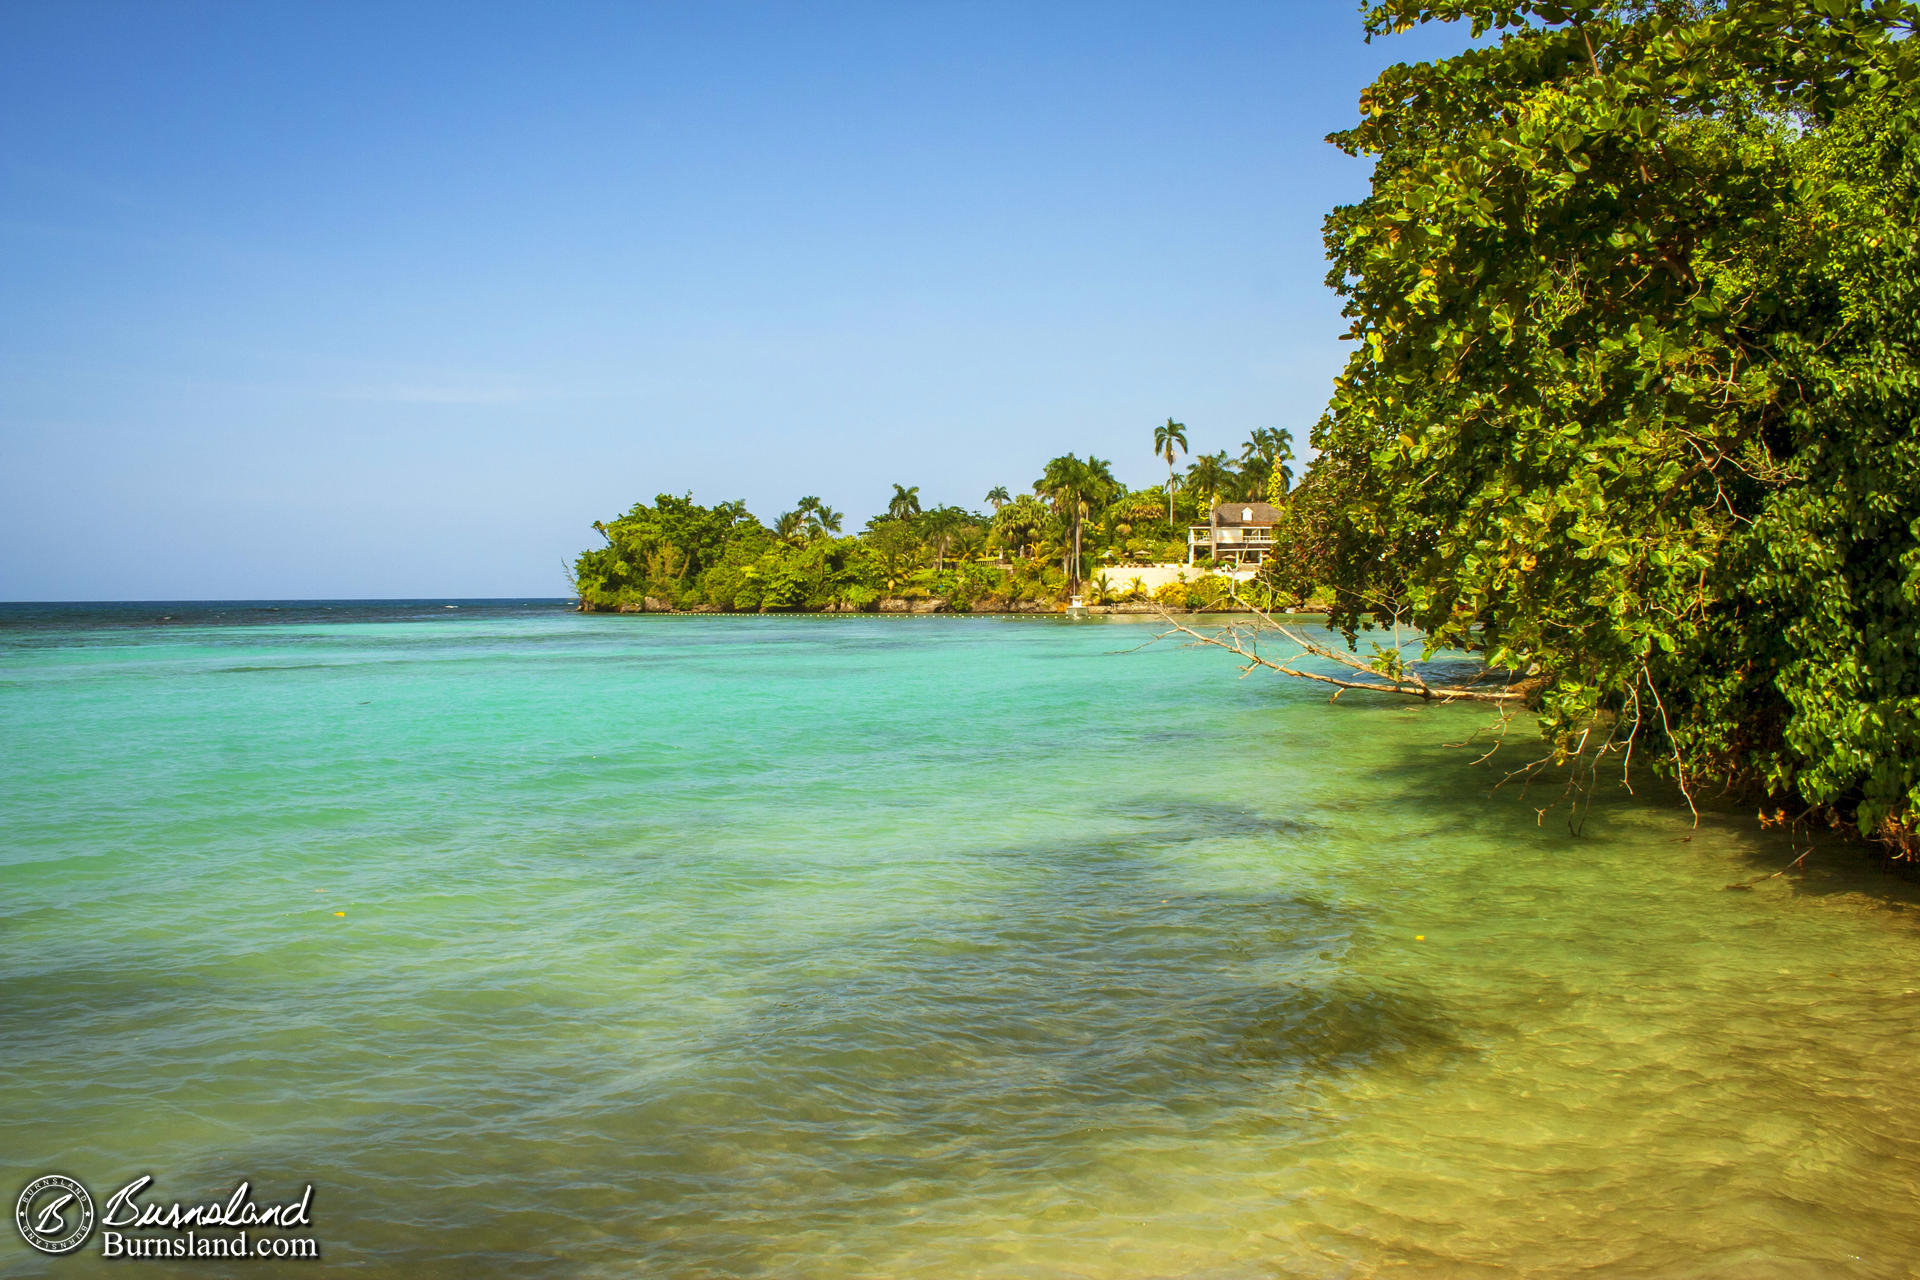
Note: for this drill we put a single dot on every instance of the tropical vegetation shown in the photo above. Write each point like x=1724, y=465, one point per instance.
x=1635, y=298
x=1075, y=530
x=1630, y=415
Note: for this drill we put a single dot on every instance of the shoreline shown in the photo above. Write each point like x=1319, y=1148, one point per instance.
x=1131, y=609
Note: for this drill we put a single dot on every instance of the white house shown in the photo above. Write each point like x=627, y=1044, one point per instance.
x=1239, y=534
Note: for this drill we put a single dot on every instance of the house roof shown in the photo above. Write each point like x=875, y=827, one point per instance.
x=1238, y=513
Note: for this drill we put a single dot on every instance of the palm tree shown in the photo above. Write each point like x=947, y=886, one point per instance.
x=1058, y=484
x=1077, y=488
x=905, y=504
x=1101, y=490
x=1166, y=438
x=998, y=497
x=1210, y=473
x=820, y=519
x=1264, y=456
x=939, y=526
x=896, y=559
x=1018, y=523
x=967, y=543
x=1174, y=485
x=789, y=526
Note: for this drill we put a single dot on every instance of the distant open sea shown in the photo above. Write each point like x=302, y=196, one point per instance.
x=59, y=616
x=548, y=944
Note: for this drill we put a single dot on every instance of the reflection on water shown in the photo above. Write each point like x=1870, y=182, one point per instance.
x=909, y=947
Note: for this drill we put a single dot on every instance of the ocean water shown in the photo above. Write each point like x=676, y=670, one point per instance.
x=550, y=945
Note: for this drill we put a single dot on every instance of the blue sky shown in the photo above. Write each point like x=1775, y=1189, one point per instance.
x=396, y=299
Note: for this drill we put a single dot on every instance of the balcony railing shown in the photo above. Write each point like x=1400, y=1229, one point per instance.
x=1239, y=537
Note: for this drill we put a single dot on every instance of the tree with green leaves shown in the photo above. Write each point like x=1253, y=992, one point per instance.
x=655, y=552
x=676, y=554
x=1631, y=410
x=1168, y=437
x=1017, y=525
x=939, y=527
x=1211, y=475
x=896, y=551
x=1264, y=469
x=1076, y=487
x=968, y=540
x=998, y=497
x=905, y=504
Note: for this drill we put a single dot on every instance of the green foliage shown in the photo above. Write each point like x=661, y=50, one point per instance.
x=939, y=527
x=1210, y=478
x=1632, y=408
x=1169, y=440
x=1266, y=465
x=1827, y=576
x=1203, y=591
x=905, y=504
x=1017, y=526
x=1077, y=488
x=1171, y=594
x=1307, y=534
x=1209, y=591
x=656, y=551
x=1034, y=548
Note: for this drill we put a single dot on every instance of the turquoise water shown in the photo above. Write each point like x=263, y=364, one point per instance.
x=906, y=947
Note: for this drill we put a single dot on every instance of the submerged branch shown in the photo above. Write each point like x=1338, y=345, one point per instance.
x=1406, y=682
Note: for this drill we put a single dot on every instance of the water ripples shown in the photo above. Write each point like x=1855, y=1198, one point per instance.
x=734, y=947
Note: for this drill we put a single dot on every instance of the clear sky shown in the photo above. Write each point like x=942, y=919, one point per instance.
x=303, y=300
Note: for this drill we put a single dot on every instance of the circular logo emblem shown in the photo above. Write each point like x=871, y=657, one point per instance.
x=55, y=1214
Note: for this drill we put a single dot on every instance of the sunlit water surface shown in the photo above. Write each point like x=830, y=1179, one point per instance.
x=906, y=947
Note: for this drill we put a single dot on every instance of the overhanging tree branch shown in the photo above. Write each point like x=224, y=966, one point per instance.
x=1402, y=680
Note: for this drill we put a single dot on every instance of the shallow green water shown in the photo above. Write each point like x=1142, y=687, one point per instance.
x=908, y=947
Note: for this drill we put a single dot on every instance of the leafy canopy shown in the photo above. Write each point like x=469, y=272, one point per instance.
x=1632, y=406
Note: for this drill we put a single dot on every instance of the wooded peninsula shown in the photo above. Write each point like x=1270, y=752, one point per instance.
x=1635, y=299
x=1078, y=532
